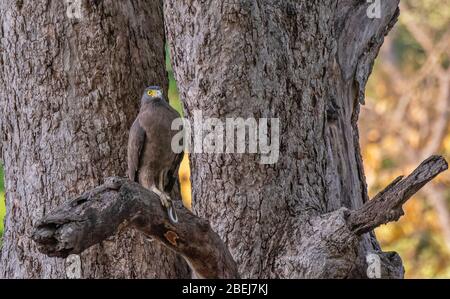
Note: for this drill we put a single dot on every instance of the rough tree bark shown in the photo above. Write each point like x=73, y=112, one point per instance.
x=307, y=63
x=118, y=203
x=99, y=213
x=69, y=90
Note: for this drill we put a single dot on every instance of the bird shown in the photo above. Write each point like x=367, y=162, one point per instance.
x=151, y=160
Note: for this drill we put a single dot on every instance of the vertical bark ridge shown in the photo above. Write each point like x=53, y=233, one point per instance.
x=307, y=63
x=256, y=59
x=70, y=89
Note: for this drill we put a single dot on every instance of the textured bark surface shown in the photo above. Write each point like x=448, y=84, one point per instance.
x=69, y=90
x=331, y=239
x=307, y=63
x=387, y=206
x=98, y=214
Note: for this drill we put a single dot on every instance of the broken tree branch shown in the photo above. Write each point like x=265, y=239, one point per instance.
x=387, y=205
x=98, y=213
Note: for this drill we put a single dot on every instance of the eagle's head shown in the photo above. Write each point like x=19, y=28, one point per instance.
x=151, y=93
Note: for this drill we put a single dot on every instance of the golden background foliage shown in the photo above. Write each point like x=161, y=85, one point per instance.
x=406, y=118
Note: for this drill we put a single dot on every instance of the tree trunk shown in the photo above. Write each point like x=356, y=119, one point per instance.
x=306, y=63
x=303, y=62
x=70, y=89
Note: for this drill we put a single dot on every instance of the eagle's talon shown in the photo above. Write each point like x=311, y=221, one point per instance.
x=165, y=200
x=173, y=217
x=150, y=134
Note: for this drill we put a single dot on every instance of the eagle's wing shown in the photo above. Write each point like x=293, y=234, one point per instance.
x=136, y=142
x=172, y=174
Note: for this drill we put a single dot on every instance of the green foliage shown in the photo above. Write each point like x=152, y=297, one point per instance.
x=393, y=133
x=2, y=182
x=2, y=214
x=410, y=54
x=174, y=98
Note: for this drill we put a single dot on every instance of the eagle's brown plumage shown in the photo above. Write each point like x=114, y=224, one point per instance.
x=151, y=161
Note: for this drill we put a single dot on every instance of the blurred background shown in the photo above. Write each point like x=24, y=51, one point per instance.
x=405, y=120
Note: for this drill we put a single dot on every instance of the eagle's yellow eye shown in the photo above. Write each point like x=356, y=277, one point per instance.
x=152, y=93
